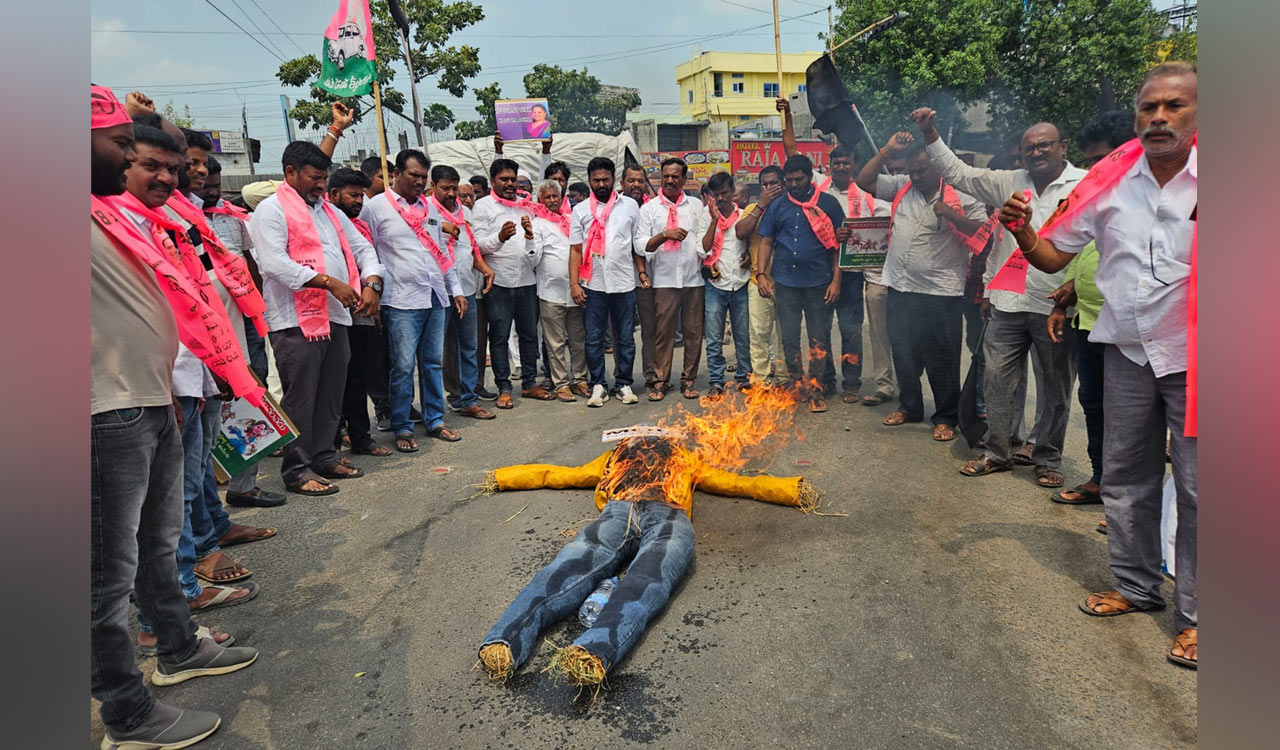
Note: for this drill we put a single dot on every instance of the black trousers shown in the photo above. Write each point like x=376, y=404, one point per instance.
x=926, y=331
x=366, y=380
x=313, y=375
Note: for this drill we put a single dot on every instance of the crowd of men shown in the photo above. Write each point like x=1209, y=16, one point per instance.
x=372, y=285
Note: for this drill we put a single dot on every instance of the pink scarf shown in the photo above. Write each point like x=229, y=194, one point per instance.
x=854, y=199
x=559, y=218
x=819, y=222
x=228, y=209
x=717, y=243
x=203, y=326
x=673, y=219
x=594, y=244
x=458, y=220
x=231, y=269
x=312, y=304
x=362, y=227
x=1101, y=177
x=521, y=202
x=416, y=218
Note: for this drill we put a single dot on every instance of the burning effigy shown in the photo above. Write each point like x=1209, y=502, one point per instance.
x=644, y=491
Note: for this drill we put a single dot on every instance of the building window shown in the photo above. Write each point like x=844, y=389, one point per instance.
x=738, y=75
x=802, y=88
x=691, y=96
x=771, y=91
x=744, y=117
x=738, y=87
x=718, y=79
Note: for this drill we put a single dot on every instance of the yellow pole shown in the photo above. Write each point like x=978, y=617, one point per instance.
x=777, y=47
x=382, y=135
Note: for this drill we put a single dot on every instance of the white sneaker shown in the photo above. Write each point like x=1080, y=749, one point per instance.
x=627, y=396
x=599, y=395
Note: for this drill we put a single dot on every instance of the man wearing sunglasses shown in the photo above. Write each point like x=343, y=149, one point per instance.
x=1018, y=322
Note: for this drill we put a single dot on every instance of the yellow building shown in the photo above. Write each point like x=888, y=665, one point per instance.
x=738, y=86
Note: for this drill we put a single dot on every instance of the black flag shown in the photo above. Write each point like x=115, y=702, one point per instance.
x=833, y=110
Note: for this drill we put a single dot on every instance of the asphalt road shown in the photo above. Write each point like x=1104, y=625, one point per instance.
x=940, y=613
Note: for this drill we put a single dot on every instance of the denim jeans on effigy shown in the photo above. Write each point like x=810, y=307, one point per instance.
x=655, y=538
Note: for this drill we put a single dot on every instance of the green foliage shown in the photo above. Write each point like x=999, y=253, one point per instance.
x=432, y=23
x=184, y=120
x=487, y=124
x=577, y=104
x=1056, y=60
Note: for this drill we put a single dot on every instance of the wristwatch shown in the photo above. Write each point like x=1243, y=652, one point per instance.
x=376, y=286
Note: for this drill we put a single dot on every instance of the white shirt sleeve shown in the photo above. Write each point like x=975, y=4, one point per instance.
x=270, y=233
x=888, y=185
x=1076, y=231
x=992, y=187
x=578, y=226
x=486, y=227
x=643, y=233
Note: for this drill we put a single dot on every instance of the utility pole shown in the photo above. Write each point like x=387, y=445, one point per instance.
x=244, y=132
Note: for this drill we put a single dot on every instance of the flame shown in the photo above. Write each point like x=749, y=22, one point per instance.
x=729, y=433
x=849, y=359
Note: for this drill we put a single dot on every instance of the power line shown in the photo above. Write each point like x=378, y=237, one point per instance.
x=238, y=26
x=257, y=28
x=462, y=36
x=273, y=23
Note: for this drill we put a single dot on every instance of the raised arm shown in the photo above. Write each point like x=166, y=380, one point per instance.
x=788, y=127
x=791, y=491
x=896, y=144
x=987, y=185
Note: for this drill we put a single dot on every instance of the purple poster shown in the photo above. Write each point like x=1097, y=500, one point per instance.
x=523, y=119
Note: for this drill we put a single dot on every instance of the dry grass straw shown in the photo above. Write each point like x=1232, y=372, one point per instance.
x=513, y=515
x=496, y=658
x=807, y=499
x=578, y=667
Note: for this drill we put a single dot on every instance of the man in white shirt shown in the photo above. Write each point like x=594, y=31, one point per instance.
x=1017, y=324
x=925, y=271
x=726, y=291
x=450, y=224
x=668, y=234
x=513, y=301
x=1144, y=228
x=849, y=308
x=422, y=291
x=601, y=230
x=635, y=185
x=563, y=329
x=313, y=373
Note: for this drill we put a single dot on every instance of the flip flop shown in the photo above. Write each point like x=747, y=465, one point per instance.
x=406, y=437
x=355, y=473
x=505, y=401
x=245, y=535
x=373, y=449
x=944, y=433
x=1114, y=598
x=329, y=489
x=1049, y=477
x=439, y=433
x=226, y=564
x=223, y=597
x=850, y=397
x=1022, y=458
x=988, y=467
x=1085, y=497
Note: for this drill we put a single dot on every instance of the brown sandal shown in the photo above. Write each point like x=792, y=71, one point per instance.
x=657, y=393
x=217, y=567
x=1186, y=642
x=443, y=432
x=943, y=433
x=688, y=391
x=895, y=419
x=982, y=466
x=539, y=393
x=1116, y=603
x=1049, y=478
x=241, y=534
x=505, y=401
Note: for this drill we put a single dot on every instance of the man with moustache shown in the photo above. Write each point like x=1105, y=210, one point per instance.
x=849, y=308
x=1139, y=206
x=502, y=222
x=422, y=291
x=801, y=235
x=136, y=498
x=367, y=369
x=602, y=278
x=317, y=268
x=669, y=233
x=450, y=225
x=729, y=266
x=635, y=185
x=1017, y=326
x=764, y=320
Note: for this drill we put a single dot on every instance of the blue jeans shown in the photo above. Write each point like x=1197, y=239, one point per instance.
x=465, y=341
x=659, y=554
x=416, y=337
x=1089, y=367
x=717, y=304
x=135, y=520
x=516, y=306
x=619, y=307
x=848, y=312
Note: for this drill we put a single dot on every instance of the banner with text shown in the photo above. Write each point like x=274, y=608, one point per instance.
x=753, y=155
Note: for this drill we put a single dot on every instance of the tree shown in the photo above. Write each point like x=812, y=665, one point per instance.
x=577, y=102
x=433, y=21
x=184, y=120
x=1058, y=60
x=487, y=124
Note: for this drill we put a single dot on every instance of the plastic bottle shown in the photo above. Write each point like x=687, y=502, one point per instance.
x=590, y=609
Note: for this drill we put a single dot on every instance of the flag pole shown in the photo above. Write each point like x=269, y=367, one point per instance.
x=777, y=47
x=382, y=134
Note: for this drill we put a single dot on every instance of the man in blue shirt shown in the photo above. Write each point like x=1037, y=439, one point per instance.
x=799, y=255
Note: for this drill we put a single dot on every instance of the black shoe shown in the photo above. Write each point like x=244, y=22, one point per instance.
x=486, y=394
x=259, y=498
x=384, y=423
x=455, y=403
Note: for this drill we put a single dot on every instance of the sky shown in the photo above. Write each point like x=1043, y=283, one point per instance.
x=215, y=68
